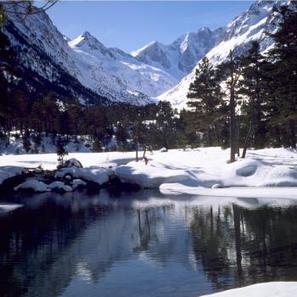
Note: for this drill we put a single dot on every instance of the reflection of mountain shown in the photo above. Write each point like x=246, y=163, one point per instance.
x=48, y=248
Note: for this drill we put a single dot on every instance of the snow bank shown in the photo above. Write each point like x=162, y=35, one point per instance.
x=50, y=161
x=7, y=172
x=9, y=207
x=208, y=168
x=98, y=175
x=151, y=175
x=281, y=176
x=272, y=289
x=258, y=174
x=187, y=171
x=238, y=192
x=33, y=185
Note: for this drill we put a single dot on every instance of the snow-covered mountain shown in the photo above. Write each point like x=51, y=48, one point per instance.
x=116, y=71
x=238, y=35
x=43, y=58
x=83, y=68
x=181, y=56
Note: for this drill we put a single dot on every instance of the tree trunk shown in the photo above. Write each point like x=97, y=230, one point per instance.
x=136, y=150
x=237, y=137
x=144, y=151
x=233, y=146
x=246, y=141
x=292, y=134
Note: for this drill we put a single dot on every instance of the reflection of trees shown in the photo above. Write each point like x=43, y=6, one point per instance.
x=30, y=244
x=210, y=242
x=43, y=249
x=239, y=246
x=149, y=221
x=270, y=241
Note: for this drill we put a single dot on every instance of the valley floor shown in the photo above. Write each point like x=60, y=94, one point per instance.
x=201, y=171
x=267, y=173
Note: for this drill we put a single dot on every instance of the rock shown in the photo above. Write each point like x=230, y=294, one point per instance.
x=93, y=174
x=78, y=183
x=59, y=186
x=72, y=163
x=33, y=186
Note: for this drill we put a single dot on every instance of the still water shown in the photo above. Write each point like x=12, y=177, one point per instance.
x=143, y=244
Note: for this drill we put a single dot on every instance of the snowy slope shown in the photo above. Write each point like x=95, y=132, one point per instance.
x=182, y=55
x=249, y=26
x=117, y=70
x=109, y=73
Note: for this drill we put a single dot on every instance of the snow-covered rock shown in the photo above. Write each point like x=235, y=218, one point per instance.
x=97, y=175
x=33, y=185
x=272, y=289
x=163, y=150
x=60, y=186
x=77, y=183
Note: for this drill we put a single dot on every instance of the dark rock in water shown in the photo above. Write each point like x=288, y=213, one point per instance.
x=116, y=186
x=9, y=184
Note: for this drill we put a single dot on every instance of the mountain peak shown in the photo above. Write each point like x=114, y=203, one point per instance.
x=86, y=41
x=204, y=29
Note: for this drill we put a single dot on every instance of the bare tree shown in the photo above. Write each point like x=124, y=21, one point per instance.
x=26, y=8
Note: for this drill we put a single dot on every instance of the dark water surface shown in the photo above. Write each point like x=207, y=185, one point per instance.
x=143, y=244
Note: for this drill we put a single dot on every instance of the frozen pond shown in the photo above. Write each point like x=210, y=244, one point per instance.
x=143, y=244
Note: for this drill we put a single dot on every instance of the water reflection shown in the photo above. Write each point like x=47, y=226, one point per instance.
x=144, y=244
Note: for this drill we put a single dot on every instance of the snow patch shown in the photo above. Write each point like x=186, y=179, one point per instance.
x=272, y=289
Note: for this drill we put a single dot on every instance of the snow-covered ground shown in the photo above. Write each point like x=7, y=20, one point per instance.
x=50, y=161
x=205, y=171
x=273, y=289
x=202, y=171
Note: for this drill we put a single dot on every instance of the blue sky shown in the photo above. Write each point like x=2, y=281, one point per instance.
x=131, y=25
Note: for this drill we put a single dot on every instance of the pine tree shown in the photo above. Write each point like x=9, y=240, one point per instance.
x=284, y=59
x=61, y=151
x=165, y=124
x=205, y=100
x=230, y=72
x=252, y=88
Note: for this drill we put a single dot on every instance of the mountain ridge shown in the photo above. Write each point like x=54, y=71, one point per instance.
x=85, y=69
x=239, y=33
x=179, y=57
